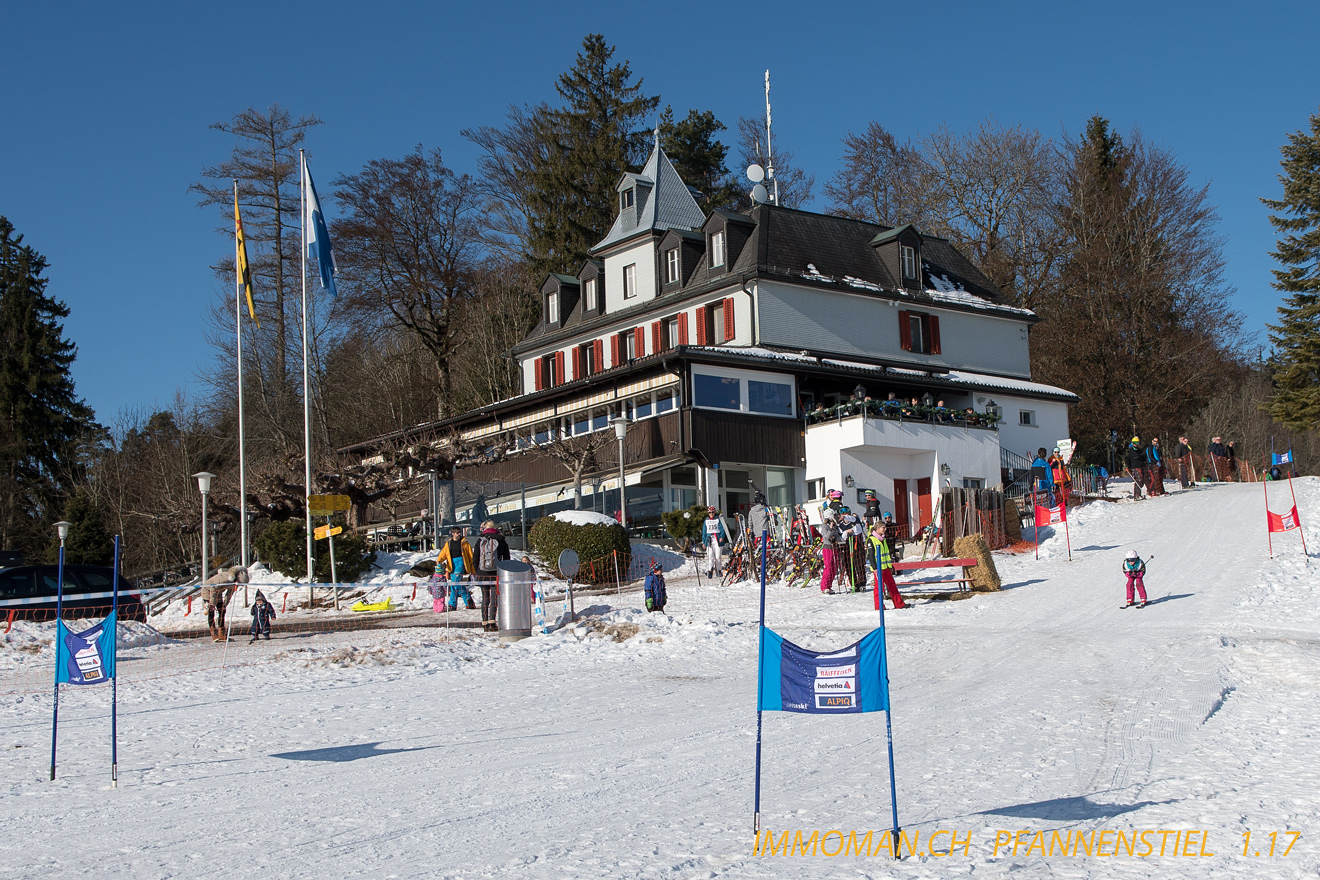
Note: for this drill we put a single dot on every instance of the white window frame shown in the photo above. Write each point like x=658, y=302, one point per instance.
x=552, y=308
x=671, y=265
x=589, y=294
x=1027, y=418
x=716, y=311
x=626, y=199
x=629, y=346
x=670, y=328
x=630, y=281
x=908, y=255
x=743, y=376
x=717, y=251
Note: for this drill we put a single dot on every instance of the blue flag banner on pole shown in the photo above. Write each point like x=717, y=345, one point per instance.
x=793, y=679
x=87, y=657
x=318, y=237
x=1282, y=458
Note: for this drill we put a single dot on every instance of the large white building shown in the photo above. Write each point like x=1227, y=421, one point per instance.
x=742, y=348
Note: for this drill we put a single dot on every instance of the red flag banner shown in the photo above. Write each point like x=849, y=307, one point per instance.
x=1279, y=522
x=1048, y=516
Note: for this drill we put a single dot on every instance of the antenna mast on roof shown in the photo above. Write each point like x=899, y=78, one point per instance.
x=769, y=157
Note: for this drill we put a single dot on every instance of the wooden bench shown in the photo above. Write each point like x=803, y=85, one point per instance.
x=937, y=563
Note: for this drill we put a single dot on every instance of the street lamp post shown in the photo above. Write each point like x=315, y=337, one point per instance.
x=620, y=424
x=62, y=529
x=204, y=485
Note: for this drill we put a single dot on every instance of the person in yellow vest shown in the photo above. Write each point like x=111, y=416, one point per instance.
x=884, y=568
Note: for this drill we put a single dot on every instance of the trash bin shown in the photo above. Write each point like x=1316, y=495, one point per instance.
x=513, y=611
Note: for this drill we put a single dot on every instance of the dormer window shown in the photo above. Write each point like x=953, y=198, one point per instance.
x=552, y=308
x=626, y=199
x=589, y=293
x=629, y=280
x=717, y=249
x=909, y=258
x=671, y=266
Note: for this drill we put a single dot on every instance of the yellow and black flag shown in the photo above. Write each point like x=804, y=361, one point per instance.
x=241, y=261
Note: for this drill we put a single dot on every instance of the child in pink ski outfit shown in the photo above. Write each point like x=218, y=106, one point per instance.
x=1135, y=570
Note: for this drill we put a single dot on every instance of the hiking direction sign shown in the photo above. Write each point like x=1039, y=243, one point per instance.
x=327, y=505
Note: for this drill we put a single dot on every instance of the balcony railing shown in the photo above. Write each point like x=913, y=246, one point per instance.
x=897, y=411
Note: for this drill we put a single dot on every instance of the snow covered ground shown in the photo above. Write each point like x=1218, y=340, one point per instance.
x=623, y=746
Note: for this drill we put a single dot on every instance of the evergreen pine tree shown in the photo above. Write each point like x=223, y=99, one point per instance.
x=1296, y=338
x=88, y=542
x=693, y=145
x=41, y=421
x=597, y=135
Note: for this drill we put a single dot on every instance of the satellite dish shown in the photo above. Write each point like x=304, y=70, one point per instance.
x=569, y=564
x=755, y=173
x=759, y=194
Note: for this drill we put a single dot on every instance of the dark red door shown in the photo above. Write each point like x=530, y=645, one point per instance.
x=901, y=508
x=923, y=501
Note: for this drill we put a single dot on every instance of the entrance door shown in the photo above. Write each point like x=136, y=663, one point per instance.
x=923, y=501
x=901, y=507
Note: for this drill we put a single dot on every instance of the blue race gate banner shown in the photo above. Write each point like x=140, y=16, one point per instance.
x=793, y=679
x=87, y=657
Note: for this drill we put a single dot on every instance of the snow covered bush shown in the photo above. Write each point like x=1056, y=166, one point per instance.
x=593, y=536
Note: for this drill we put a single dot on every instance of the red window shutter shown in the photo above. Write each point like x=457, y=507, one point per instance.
x=905, y=330
x=682, y=328
x=598, y=348
x=701, y=326
x=934, y=335
x=538, y=374
x=577, y=362
x=639, y=342
x=615, y=342
x=729, y=326
x=559, y=369
x=657, y=337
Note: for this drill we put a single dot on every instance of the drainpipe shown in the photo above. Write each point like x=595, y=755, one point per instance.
x=752, y=300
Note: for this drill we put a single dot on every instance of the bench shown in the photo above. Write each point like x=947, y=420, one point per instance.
x=937, y=563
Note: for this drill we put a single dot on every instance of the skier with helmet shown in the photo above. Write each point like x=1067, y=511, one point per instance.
x=1135, y=570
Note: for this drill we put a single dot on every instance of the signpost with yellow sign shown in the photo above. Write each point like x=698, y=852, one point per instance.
x=327, y=506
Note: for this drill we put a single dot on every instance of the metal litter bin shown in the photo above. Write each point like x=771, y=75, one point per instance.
x=513, y=610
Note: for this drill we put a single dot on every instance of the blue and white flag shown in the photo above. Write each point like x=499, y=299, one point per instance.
x=793, y=679
x=317, y=235
x=87, y=657
x=1282, y=458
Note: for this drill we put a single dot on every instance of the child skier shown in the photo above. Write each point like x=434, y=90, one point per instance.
x=884, y=568
x=1135, y=570
x=456, y=558
x=262, y=614
x=654, y=589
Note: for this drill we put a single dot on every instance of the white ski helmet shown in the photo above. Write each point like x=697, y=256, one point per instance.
x=1132, y=554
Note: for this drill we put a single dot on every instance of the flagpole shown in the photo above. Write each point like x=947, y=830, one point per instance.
x=114, y=680
x=1269, y=532
x=242, y=459
x=307, y=388
x=760, y=660
x=889, y=720
x=1296, y=515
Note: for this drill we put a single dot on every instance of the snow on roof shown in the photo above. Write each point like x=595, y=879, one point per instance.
x=1007, y=384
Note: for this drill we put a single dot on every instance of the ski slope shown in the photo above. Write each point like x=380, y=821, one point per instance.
x=623, y=747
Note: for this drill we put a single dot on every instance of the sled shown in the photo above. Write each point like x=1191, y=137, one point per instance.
x=364, y=605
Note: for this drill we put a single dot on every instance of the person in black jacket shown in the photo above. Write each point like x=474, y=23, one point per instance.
x=1135, y=457
x=1218, y=460
x=1182, y=454
x=1232, y=460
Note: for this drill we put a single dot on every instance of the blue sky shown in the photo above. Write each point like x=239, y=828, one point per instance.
x=107, y=111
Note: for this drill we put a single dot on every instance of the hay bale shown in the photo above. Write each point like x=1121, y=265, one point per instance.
x=984, y=577
x=1012, y=520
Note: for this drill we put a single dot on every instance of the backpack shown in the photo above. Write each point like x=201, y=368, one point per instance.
x=490, y=546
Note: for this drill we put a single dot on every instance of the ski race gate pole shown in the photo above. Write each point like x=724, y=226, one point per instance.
x=760, y=660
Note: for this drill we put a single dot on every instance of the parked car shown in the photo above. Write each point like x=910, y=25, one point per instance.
x=39, y=582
